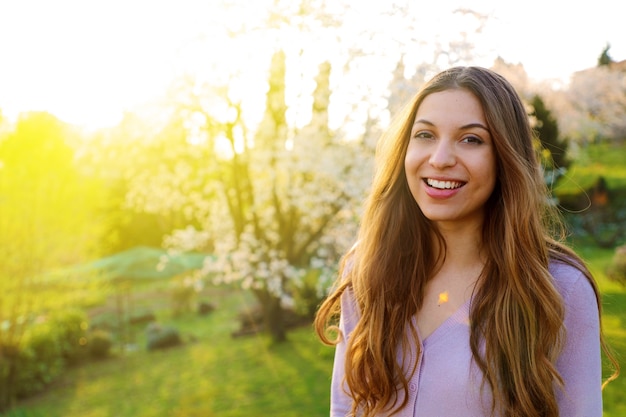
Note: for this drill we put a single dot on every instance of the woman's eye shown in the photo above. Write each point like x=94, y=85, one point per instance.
x=472, y=139
x=423, y=135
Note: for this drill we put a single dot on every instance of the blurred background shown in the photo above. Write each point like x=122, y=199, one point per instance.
x=179, y=179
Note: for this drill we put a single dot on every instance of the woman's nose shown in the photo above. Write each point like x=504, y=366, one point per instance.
x=443, y=155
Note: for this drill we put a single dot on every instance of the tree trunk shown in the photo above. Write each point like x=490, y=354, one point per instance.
x=273, y=315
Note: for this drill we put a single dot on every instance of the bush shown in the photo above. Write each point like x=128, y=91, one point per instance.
x=39, y=360
x=205, y=308
x=142, y=318
x=184, y=294
x=71, y=327
x=47, y=347
x=160, y=337
x=99, y=344
x=617, y=269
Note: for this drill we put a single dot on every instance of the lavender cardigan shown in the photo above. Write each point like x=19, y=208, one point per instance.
x=446, y=381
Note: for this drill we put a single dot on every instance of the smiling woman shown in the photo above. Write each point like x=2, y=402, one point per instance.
x=518, y=330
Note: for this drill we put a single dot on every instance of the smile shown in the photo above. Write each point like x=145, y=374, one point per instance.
x=443, y=185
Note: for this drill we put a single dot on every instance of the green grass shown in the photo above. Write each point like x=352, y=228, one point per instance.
x=600, y=160
x=216, y=375
x=614, y=322
x=604, y=160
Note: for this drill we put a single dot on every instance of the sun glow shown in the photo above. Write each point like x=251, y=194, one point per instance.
x=443, y=298
x=89, y=62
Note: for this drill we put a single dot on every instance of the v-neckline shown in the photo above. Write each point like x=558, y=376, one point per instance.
x=460, y=312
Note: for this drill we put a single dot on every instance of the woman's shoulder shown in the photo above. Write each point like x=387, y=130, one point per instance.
x=571, y=279
x=566, y=271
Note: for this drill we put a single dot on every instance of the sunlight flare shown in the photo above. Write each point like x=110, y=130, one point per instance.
x=443, y=298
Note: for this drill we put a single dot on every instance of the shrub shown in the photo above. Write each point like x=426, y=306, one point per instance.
x=105, y=321
x=184, y=293
x=99, y=344
x=142, y=318
x=205, y=308
x=160, y=337
x=617, y=269
x=71, y=327
x=48, y=345
x=39, y=360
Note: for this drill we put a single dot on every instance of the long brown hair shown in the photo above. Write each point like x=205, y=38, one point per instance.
x=516, y=299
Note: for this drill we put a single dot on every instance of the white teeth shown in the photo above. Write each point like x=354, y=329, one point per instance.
x=446, y=185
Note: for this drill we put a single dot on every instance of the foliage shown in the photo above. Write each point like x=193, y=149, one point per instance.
x=70, y=326
x=553, y=149
x=310, y=293
x=302, y=211
x=605, y=218
x=617, y=269
x=592, y=195
x=160, y=337
x=49, y=345
x=268, y=205
x=139, y=151
x=99, y=344
x=184, y=294
x=605, y=59
x=604, y=160
x=48, y=220
x=40, y=359
x=52, y=205
x=215, y=376
x=547, y=129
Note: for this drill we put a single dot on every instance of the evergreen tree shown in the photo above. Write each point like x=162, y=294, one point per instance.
x=605, y=59
x=547, y=130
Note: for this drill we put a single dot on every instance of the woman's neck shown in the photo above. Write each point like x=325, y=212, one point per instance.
x=463, y=247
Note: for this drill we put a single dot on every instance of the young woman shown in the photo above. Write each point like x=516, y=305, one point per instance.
x=456, y=300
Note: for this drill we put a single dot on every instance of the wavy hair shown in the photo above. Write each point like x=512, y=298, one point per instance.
x=516, y=314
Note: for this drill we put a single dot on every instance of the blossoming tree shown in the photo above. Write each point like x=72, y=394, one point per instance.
x=278, y=206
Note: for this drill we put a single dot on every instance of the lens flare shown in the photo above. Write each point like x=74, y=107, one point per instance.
x=443, y=298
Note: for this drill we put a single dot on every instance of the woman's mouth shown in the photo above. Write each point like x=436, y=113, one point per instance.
x=443, y=185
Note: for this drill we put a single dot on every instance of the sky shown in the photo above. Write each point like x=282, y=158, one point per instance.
x=87, y=61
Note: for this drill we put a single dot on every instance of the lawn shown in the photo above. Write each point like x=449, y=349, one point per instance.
x=600, y=160
x=213, y=375
x=614, y=322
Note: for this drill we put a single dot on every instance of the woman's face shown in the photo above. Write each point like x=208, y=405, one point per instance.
x=450, y=161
